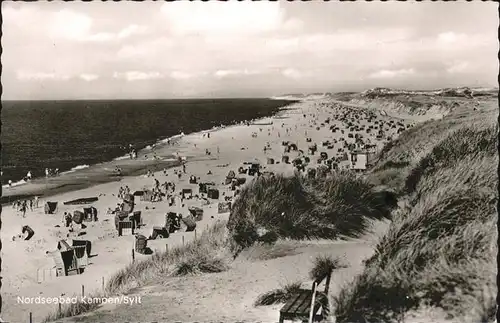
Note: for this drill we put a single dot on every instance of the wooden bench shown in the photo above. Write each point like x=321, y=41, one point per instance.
x=299, y=306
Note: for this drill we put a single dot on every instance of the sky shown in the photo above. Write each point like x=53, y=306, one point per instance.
x=182, y=49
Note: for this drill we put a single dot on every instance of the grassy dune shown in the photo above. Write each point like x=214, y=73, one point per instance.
x=440, y=251
x=296, y=207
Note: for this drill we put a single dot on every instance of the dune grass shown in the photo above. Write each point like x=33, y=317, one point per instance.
x=71, y=309
x=323, y=265
x=279, y=295
x=463, y=143
x=204, y=255
x=439, y=252
x=296, y=207
x=207, y=254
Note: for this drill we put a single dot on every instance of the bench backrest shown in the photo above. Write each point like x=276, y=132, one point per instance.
x=327, y=279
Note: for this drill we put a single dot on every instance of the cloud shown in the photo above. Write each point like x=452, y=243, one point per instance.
x=389, y=74
x=223, y=18
x=89, y=77
x=179, y=75
x=450, y=37
x=131, y=30
x=138, y=76
x=39, y=76
x=457, y=67
x=235, y=72
x=292, y=73
x=71, y=25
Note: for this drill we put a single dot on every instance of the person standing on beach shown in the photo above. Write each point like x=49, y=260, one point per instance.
x=31, y=204
x=23, y=209
x=46, y=172
x=28, y=176
x=36, y=202
x=10, y=183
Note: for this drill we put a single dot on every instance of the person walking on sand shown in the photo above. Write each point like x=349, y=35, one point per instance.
x=184, y=167
x=36, y=202
x=31, y=205
x=28, y=175
x=10, y=183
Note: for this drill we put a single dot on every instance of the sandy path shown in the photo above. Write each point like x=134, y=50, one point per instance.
x=22, y=259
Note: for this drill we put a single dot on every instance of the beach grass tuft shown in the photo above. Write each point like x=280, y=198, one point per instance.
x=324, y=265
x=74, y=309
x=279, y=295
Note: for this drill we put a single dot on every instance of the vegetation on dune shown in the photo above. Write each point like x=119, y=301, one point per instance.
x=71, y=309
x=207, y=254
x=323, y=265
x=461, y=144
x=439, y=252
x=204, y=255
x=297, y=207
x=279, y=295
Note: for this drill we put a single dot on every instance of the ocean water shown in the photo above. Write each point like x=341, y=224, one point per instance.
x=72, y=135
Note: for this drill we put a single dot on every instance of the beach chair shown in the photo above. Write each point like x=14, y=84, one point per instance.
x=223, y=207
x=78, y=217
x=136, y=218
x=66, y=263
x=63, y=245
x=141, y=244
x=172, y=222
x=147, y=196
x=189, y=222
x=50, y=207
x=187, y=193
x=82, y=259
x=160, y=233
x=213, y=194
x=125, y=228
x=196, y=212
x=86, y=243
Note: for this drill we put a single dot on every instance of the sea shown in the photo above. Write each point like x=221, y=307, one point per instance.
x=73, y=135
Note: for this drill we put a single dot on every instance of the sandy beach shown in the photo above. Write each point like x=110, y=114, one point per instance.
x=28, y=270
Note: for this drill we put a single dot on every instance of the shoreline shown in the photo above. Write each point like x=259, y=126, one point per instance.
x=101, y=173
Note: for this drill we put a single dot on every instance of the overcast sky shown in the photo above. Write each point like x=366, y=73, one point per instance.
x=77, y=50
